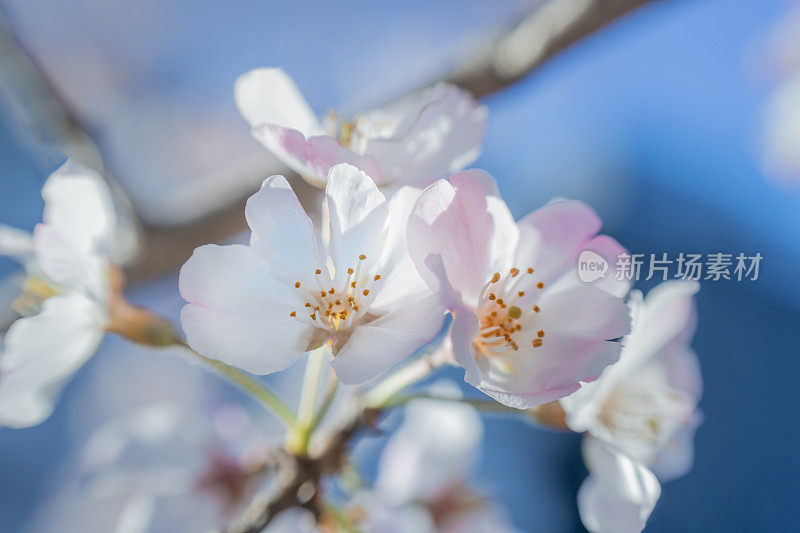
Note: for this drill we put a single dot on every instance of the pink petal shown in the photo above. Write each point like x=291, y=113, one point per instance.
x=311, y=157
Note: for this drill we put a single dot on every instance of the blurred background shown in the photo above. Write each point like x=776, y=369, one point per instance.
x=677, y=122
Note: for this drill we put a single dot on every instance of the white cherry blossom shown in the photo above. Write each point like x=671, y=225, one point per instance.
x=525, y=328
x=66, y=294
x=349, y=284
x=413, y=141
x=646, y=404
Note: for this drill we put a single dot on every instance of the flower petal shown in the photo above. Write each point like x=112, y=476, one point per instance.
x=238, y=312
x=359, y=220
x=311, y=157
x=16, y=243
x=440, y=135
x=532, y=376
x=401, y=282
x=465, y=222
x=283, y=235
x=552, y=236
x=376, y=346
x=77, y=230
x=268, y=95
x=583, y=311
x=42, y=352
x=619, y=494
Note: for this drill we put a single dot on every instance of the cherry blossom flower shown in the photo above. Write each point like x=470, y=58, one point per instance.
x=426, y=465
x=349, y=284
x=525, y=328
x=66, y=293
x=646, y=404
x=416, y=140
x=164, y=467
x=619, y=494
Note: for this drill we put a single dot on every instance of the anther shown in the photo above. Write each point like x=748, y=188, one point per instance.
x=353, y=284
x=377, y=277
x=308, y=304
x=292, y=314
x=514, y=272
x=536, y=309
x=365, y=292
x=496, y=277
x=536, y=343
x=323, y=293
x=540, y=333
x=362, y=257
x=492, y=296
x=521, y=294
x=332, y=291
x=530, y=270
x=313, y=316
x=318, y=271
x=540, y=285
x=350, y=271
x=296, y=284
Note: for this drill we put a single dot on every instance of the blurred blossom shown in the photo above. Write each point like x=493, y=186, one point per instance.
x=413, y=141
x=643, y=409
x=645, y=403
x=526, y=329
x=162, y=468
x=67, y=296
x=425, y=470
x=619, y=494
x=350, y=284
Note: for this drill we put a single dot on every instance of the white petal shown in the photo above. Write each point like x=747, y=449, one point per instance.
x=619, y=494
x=283, y=235
x=440, y=135
x=77, y=229
x=41, y=353
x=238, y=312
x=15, y=243
x=359, y=220
x=376, y=346
x=401, y=282
x=268, y=95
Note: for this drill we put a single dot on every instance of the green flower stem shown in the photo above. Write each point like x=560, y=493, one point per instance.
x=300, y=436
x=256, y=389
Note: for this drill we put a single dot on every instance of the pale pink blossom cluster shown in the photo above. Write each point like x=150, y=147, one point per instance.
x=402, y=238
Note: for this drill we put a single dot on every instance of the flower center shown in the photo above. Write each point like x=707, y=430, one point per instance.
x=644, y=414
x=337, y=308
x=35, y=290
x=502, y=305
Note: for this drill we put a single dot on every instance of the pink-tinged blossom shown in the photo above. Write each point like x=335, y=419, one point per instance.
x=413, y=141
x=66, y=294
x=619, y=494
x=349, y=284
x=525, y=328
x=646, y=404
